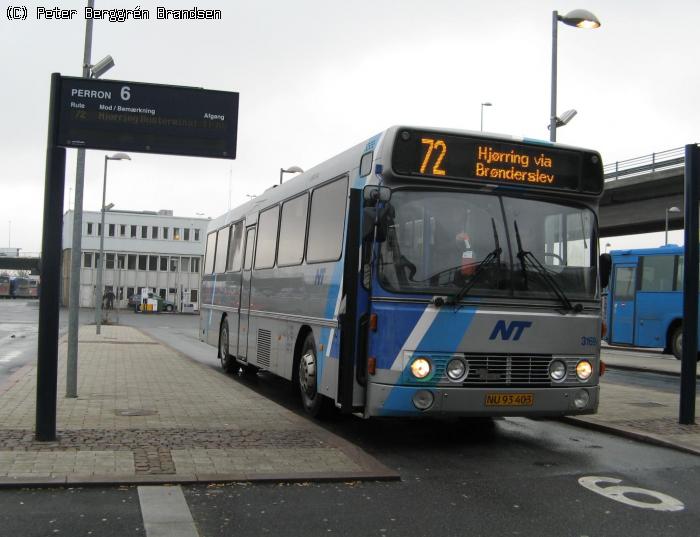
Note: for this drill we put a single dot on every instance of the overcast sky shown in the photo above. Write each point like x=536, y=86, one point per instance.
x=317, y=76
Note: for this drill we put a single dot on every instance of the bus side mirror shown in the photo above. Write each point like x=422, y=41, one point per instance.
x=373, y=193
x=605, y=265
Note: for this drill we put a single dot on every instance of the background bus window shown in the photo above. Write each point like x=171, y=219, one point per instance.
x=657, y=273
x=235, y=251
x=624, y=283
x=292, y=231
x=267, y=238
x=327, y=222
x=209, y=257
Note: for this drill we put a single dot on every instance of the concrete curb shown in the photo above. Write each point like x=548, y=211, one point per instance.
x=631, y=434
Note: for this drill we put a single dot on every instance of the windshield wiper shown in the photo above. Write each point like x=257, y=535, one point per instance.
x=524, y=256
x=480, y=268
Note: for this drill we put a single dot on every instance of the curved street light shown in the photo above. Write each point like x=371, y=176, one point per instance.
x=579, y=18
x=293, y=169
x=482, y=114
x=98, y=289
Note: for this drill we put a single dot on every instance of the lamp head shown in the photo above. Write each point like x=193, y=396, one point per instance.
x=101, y=67
x=119, y=156
x=581, y=18
x=293, y=169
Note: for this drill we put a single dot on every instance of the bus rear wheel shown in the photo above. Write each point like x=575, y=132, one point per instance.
x=677, y=342
x=315, y=404
x=228, y=362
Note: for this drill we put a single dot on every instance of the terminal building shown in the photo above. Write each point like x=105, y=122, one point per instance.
x=142, y=249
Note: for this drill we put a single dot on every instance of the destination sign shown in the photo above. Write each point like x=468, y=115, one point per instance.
x=437, y=155
x=148, y=118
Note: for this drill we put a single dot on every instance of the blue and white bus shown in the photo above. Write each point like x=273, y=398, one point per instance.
x=422, y=272
x=644, y=306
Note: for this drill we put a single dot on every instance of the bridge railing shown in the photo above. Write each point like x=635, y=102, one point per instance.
x=664, y=160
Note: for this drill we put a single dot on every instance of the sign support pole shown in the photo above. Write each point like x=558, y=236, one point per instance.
x=690, y=285
x=47, y=362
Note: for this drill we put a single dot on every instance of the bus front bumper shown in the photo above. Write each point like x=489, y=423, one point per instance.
x=387, y=400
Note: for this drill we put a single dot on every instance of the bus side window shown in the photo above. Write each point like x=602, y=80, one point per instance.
x=209, y=256
x=249, y=242
x=235, y=251
x=221, y=250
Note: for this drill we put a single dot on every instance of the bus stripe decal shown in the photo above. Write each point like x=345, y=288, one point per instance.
x=416, y=335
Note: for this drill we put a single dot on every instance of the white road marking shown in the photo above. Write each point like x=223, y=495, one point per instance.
x=663, y=502
x=165, y=512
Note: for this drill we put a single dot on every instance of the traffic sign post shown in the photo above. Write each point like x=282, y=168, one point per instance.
x=690, y=285
x=116, y=116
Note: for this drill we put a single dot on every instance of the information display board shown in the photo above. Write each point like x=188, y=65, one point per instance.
x=442, y=155
x=147, y=118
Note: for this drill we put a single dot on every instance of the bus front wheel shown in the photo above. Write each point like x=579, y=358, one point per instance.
x=314, y=403
x=677, y=342
x=228, y=362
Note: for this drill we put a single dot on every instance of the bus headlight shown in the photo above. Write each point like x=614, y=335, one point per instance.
x=584, y=370
x=420, y=367
x=557, y=370
x=456, y=369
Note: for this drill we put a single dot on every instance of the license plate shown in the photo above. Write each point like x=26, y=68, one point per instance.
x=509, y=399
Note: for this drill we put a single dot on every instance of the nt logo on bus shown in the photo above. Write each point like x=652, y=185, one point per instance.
x=510, y=331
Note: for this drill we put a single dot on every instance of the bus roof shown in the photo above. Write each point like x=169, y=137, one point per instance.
x=669, y=249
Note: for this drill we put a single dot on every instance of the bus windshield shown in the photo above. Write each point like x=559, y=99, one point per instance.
x=487, y=245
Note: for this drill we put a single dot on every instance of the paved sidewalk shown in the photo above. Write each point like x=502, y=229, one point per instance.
x=146, y=413
x=643, y=413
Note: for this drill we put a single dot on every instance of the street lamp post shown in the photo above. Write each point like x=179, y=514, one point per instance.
x=482, y=114
x=669, y=210
x=98, y=288
x=293, y=169
x=580, y=18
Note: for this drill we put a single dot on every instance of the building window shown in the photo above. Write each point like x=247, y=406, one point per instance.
x=165, y=232
x=122, y=230
x=184, y=264
x=172, y=290
x=131, y=262
x=87, y=260
x=176, y=233
x=89, y=228
x=112, y=230
x=154, y=232
x=121, y=259
x=195, y=265
x=173, y=264
x=99, y=230
x=193, y=295
x=133, y=232
x=161, y=292
x=196, y=234
x=164, y=263
x=129, y=292
x=186, y=234
x=143, y=262
x=153, y=262
x=97, y=260
x=144, y=232
x=109, y=261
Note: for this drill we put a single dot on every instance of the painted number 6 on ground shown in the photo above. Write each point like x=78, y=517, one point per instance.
x=619, y=493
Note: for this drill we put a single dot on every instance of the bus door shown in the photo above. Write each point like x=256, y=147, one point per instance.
x=244, y=317
x=623, y=304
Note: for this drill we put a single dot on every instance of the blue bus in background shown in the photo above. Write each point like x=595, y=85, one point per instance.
x=645, y=298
